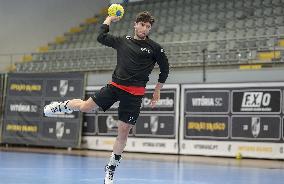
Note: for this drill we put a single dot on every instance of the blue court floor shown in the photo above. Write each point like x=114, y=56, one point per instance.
x=38, y=168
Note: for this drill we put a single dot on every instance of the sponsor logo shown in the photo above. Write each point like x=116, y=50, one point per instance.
x=63, y=88
x=205, y=146
x=167, y=102
x=255, y=126
x=59, y=129
x=259, y=149
x=211, y=102
x=154, y=124
x=21, y=128
x=256, y=101
x=152, y=144
x=206, y=126
x=25, y=87
x=108, y=142
x=146, y=50
x=132, y=119
x=111, y=123
x=23, y=108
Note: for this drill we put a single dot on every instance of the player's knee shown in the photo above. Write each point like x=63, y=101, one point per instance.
x=125, y=127
x=124, y=132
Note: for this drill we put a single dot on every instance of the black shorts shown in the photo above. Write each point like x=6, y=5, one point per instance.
x=129, y=106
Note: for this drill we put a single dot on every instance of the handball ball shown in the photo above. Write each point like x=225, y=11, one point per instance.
x=116, y=10
x=239, y=156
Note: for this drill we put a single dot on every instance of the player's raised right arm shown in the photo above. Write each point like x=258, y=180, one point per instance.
x=105, y=38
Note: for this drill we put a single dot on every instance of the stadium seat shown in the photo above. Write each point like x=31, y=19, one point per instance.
x=240, y=4
x=279, y=21
x=280, y=30
x=230, y=34
x=267, y=3
x=269, y=21
x=229, y=5
x=258, y=12
x=212, y=36
x=247, y=4
x=259, y=22
x=233, y=31
x=250, y=33
x=257, y=3
x=240, y=24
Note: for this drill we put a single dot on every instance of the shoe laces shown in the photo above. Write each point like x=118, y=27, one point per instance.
x=55, y=109
x=110, y=175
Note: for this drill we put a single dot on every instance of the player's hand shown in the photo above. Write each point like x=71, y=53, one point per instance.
x=155, y=98
x=114, y=18
x=111, y=19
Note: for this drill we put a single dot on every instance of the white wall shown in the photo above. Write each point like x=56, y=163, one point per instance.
x=28, y=24
x=189, y=76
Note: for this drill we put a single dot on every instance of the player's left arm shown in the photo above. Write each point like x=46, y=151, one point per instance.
x=163, y=63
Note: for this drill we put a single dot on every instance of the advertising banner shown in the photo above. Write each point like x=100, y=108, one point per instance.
x=256, y=128
x=89, y=124
x=215, y=127
x=155, y=125
x=107, y=124
x=209, y=102
x=164, y=105
x=156, y=128
x=24, y=87
x=231, y=119
x=24, y=108
x=24, y=120
x=265, y=101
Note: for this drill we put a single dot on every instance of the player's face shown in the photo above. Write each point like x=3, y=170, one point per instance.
x=142, y=29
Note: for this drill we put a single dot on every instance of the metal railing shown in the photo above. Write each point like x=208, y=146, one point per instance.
x=7, y=60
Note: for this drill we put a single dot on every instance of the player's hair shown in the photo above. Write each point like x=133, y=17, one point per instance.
x=145, y=17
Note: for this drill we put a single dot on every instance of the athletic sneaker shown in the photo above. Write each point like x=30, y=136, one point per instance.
x=55, y=108
x=109, y=170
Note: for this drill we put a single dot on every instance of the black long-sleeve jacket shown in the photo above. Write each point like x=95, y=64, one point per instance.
x=135, y=58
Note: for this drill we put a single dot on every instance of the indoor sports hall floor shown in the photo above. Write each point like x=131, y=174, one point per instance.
x=36, y=166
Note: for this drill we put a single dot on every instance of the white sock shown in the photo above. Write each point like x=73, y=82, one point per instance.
x=114, y=160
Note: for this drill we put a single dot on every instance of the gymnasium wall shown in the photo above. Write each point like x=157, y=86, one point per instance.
x=183, y=76
x=26, y=25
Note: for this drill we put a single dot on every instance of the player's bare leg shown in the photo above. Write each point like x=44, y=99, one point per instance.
x=69, y=106
x=118, y=147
